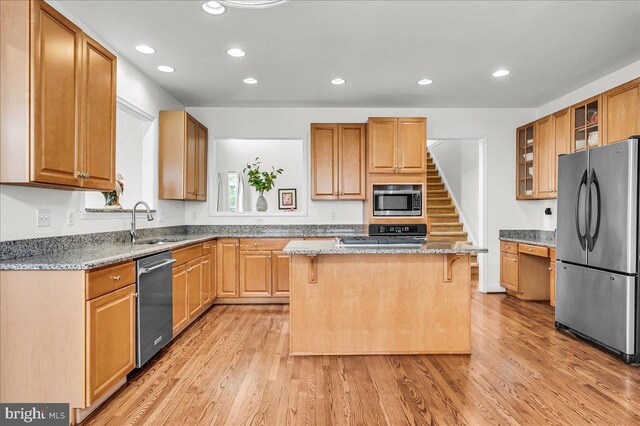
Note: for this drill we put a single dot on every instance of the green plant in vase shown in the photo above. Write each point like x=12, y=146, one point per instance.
x=261, y=181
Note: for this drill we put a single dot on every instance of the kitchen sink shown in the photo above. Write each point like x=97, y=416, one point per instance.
x=160, y=241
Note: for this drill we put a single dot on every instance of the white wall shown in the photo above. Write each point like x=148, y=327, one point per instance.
x=18, y=204
x=497, y=125
x=458, y=161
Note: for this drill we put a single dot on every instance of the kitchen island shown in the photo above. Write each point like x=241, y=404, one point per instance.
x=352, y=301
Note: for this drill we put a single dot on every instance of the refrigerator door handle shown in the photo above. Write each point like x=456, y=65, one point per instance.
x=581, y=237
x=593, y=181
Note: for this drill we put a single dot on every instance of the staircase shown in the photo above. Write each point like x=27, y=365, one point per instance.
x=445, y=221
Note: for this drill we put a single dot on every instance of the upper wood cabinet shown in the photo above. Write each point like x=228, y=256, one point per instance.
x=338, y=161
x=182, y=158
x=397, y=145
x=562, y=139
x=585, y=124
x=621, y=106
x=58, y=95
x=545, y=152
x=525, y=152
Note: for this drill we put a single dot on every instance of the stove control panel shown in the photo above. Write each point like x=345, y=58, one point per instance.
x=418, y=230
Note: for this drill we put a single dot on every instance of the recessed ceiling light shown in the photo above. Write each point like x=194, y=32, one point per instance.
x=166, y=68
x=143, y=48
x=213, y=7
x=250, y=80
x=501, y=73
x=236, y=53
x=424, y=82
x=338, y=81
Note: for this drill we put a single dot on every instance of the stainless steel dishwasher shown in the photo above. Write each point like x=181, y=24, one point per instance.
x=154, y=318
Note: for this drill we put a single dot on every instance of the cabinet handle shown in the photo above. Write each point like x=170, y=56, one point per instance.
x=513, y=260
x=189, y=269
x=255, y=244
x=205, y=261
x=117, y=277
x=236, y=245
x=135, y=295
x=549, y=268
x=269, y=257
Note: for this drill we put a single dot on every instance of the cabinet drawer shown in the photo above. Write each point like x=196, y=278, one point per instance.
x=105, y=280
x=262, y=244
x=187, y=254
x=509, y=247
x=207, y=246
x=533, y=250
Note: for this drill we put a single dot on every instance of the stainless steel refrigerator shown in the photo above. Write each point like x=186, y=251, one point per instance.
x=597, y=293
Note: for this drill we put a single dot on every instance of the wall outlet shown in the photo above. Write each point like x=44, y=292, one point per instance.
x=71, y=218
x=44, y=217
x=194, y=215
x=334, y=215
x=259, y=220
x=161, y=216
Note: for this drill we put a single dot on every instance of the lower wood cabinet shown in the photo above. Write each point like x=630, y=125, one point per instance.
x=228, y=267
x=280, y=273
x=509, y=270
x=533, y=284
x=111, y=321
x=180, y=308
x=255, y=274
x=194, y=287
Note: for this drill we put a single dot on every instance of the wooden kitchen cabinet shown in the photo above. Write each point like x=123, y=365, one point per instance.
x=280, y=273
x=397, y=145
x=562, y=139
x=585, y=124
x=545, y=157
x=58, y=101
x=509, y=271
x=208, y=273
x=111, y=321
x=228, y=267
x=621, y=106
x=180, y=302
x=552, y=277
x=194, y=288
x=525, y=155
x=255, y=274
x=338, y=161
x=182, y=158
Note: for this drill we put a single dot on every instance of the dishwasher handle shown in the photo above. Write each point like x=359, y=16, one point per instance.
x=158, y=266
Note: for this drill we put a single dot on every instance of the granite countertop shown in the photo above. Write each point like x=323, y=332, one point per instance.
x=533, y=237
x=90, y=252
x=430, y=247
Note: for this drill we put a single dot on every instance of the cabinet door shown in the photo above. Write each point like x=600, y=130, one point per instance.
x=562, y=137
x=191, y=169
x=98, y=112
x=509, y=271
x=194, y=287
x=111, y=321
x=201, y=193
x=324, y=161
x=227, y=267
x=545, y=158
x=382, y=138
x=280, y=273
x=622, y=109
x=255, y=274
x=179, y=292
x=351, y=161
x=57, y=50
x=552, y=282
x=206, y=281
x=412, y=145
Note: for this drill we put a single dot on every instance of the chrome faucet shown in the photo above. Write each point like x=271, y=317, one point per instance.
x=133, y=219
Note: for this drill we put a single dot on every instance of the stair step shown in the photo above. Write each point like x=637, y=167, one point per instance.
x=444, y=227
x=435, y=187
x=432, y=172
x=439, y=217
x=432, y=202
x=449, y=236
x=434, y=179
x=440, y=210
x=437, y=193
x=475, y=265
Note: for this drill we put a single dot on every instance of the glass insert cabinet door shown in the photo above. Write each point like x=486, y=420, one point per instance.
x=525, y=156
x=585, y=118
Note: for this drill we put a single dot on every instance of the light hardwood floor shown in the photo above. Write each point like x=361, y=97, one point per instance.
x=231, y=367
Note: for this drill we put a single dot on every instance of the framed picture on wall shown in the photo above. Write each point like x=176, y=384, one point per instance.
x=287, y=199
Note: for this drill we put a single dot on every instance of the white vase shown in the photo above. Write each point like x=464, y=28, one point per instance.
x=261, y=203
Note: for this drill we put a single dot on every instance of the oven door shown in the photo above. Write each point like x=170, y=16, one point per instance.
x=394, y=203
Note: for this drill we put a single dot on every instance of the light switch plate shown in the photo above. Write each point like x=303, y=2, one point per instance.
x=44, y=217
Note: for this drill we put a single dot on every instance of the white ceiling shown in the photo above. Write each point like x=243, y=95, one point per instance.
x=380, y=47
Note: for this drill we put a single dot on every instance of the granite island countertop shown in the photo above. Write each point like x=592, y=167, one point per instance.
x=82, y=252
x=330, y=247
x=528, y=236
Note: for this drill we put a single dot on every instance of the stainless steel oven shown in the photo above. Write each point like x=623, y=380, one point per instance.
x=397, y=200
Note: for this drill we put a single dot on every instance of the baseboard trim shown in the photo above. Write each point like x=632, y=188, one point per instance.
x=494, y=288
x=251, y=301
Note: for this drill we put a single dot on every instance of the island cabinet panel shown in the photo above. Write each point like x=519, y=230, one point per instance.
x=58, y=101
x=98, y=123
x=280, y=273
x=412, y=145
x=179, y=295
x=374, y=304
x=111, y=321
x=545, y=154
x=228, y=267
x=255, y=274
x=382, y=146
x=509, y=271
x=194, y=288
x=338, y=161
x=622, y=112
x=182, y=157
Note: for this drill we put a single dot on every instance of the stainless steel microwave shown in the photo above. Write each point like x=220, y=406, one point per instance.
x=397, y=200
